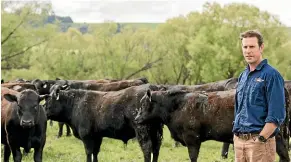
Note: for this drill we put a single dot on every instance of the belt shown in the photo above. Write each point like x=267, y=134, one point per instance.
x=246, y=136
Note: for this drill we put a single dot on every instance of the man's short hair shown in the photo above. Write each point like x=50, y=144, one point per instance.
x=253, y=33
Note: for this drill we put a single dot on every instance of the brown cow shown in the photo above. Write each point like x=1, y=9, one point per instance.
x=18, y=86
x=23, y=123
x=192, y=118
x=208, y=87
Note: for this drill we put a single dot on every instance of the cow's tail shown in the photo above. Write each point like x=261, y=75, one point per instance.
x=7, y=136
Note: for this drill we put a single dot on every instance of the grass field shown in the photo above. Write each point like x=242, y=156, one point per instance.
x=70, y=149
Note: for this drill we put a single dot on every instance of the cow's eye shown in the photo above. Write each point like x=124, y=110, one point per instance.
x=19, y=110
x=19, y=107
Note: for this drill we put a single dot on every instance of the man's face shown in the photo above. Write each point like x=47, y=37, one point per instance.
x=251, y=50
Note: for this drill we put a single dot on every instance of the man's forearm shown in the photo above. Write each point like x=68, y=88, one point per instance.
x=268, y=130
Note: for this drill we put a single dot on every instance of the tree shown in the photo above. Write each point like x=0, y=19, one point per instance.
x=22, y=30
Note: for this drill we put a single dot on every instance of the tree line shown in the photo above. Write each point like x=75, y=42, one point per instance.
x=197, y=48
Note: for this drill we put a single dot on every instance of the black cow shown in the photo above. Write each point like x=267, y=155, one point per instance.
x=288, y=102
x=43, y=87
x=23, y=123
x=192, y=118
x=93, y=115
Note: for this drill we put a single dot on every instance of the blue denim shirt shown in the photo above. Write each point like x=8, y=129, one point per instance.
x=259, y=99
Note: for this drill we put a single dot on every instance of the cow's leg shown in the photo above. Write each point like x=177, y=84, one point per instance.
x=61, y=125
x=281, y=149
x=89, y=147
x=51, y=123
x=145, y=142
x=96, y=149
x=156, y=144
x=193, y=144
x=193, y=151
x=37, y=156
x=68, y=130
x=146, y=147
x=177, y=144
x=38, y=148
x=25, y=152
x=224, y=151
x=16, y=152
x=156, y=138
x=7, y=153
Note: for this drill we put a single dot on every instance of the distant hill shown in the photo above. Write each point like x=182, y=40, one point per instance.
x=53, y=18
x=66, y=22
x=83, y=27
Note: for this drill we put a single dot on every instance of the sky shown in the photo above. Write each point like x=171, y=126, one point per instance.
x=156, y=11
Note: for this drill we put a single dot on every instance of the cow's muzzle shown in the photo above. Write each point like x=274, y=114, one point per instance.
x=27, y=123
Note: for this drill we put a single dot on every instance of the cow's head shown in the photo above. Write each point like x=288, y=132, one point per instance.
x=154, y=105
x=158, y=105
x=64, y=84
x=28, y=106
x=53, y=105
x=145, y=108
x=42, y=87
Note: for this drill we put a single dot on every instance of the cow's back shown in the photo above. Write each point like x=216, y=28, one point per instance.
x=112, y=86
x=104, y=112
x=19, y=86
x=213, y=119
x=114, y=104
x=220, y=111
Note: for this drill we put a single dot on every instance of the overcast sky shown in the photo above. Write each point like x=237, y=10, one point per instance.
x=151, y=11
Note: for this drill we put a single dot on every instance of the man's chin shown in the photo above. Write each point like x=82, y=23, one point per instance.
x=250, y=61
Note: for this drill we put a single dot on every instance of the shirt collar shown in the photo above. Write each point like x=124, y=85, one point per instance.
x=260, y=66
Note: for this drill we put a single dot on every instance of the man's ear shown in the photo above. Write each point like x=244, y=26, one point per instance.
x=262, y=48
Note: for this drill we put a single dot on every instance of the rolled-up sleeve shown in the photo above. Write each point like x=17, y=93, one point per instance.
x=276, y=100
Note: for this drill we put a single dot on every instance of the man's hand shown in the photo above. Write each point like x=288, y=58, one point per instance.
x=268, y=130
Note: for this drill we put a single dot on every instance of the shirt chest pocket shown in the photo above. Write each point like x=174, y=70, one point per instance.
x=257, y=95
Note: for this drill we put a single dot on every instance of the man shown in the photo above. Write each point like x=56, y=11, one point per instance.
x=259, y=104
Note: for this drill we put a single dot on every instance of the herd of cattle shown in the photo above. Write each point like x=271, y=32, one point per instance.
x=122, y=109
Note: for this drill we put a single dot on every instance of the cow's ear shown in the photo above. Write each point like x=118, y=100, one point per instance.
x=65, y=87
x=42, y=99
x=45, y=84
x=10, y=97
x=149, y=94
x=57, y=93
